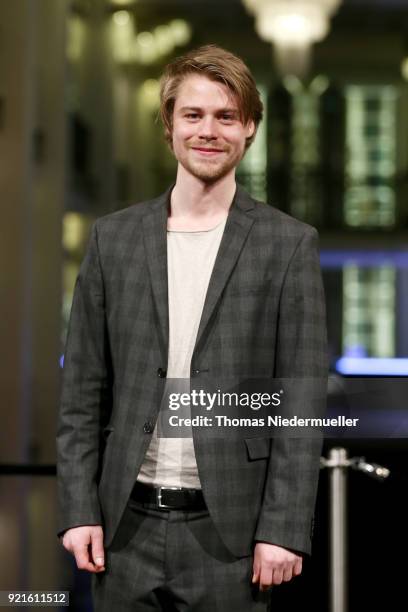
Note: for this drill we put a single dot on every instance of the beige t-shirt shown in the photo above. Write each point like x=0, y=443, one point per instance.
x=190, y=257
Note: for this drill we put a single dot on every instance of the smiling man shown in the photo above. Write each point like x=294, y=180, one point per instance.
x=202, y=279
x=208, y=136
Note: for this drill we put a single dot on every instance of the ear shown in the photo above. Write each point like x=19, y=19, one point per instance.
x=250, y=129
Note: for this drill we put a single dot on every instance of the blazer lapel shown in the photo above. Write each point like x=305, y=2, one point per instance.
x=235, y=233
x=155, y=242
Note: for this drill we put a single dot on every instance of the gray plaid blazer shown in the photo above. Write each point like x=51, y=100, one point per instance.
x=264, y=315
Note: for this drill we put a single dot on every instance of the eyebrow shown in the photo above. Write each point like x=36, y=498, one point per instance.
x=234, y=111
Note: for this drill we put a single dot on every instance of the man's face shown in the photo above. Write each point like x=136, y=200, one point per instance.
x=208, y=135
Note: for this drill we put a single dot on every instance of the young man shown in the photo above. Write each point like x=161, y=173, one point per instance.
x=202, y=279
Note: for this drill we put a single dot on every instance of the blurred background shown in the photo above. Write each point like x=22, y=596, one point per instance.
x=80, y=138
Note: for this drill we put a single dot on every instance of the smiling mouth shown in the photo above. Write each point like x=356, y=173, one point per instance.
x=207, y=151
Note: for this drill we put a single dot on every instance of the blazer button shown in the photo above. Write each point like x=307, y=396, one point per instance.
x=161, y=373
x=148, y=427
x=196, y=372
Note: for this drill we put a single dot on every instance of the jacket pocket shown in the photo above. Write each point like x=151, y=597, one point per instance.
x=258, y=448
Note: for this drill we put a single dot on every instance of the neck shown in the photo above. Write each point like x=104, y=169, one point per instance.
x=194, y=199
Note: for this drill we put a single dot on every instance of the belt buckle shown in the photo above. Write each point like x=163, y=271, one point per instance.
x=159, y=496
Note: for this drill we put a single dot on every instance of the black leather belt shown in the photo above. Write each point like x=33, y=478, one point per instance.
x=168, y=498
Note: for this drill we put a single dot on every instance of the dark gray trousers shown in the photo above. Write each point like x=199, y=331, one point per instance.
x=173, y=561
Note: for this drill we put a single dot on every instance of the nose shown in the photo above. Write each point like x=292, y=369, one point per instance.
x=207, y=128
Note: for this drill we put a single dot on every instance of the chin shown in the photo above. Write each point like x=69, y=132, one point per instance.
x=210, y=177
x=208, y=174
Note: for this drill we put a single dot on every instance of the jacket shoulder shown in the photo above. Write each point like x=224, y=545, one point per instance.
x=124, y=215
x=123, y=225
x=273, y=218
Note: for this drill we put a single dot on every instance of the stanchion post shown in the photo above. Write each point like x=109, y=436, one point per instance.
x=338, y=529
x=338, y=464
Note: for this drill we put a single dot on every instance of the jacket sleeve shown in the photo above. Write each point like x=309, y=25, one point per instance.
x=287, y=513
x=86, y=397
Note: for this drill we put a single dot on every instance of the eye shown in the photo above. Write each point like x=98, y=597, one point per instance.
x=191, y=115
x=227, y=117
